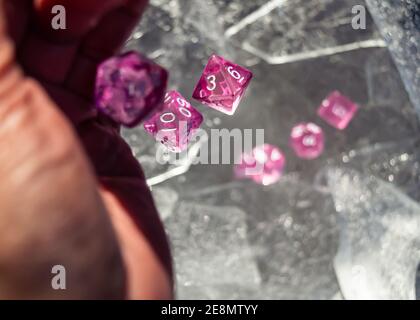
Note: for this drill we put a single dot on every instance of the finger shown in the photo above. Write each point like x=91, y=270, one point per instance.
x=49, y=55
x=10, y=74
x=55, y=55
x=121, y=174
x=17, y=17
x=41, y=151
x=45, y=60
x=81, y=16
x=103, y=41
x=113, y=29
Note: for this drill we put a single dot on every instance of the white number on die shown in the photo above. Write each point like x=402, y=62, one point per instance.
x=167, y=98
x=235, y=74
x=212, y=81
x=164, y=117
x=167, y=117
x=185, y=112
x=182, y=102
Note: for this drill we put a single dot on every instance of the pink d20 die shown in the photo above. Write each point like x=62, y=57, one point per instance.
x=264, y=165
x=175, y=124
x=337, y=110
x=129, y=87
x=222, y=85
x=307, y=140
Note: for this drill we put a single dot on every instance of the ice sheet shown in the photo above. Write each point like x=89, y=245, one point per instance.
x=291, y=230
x=379, y=237
x=211, y=252
x=395, y=162
x=166, y=200
x=301, y=29
x=399, y=24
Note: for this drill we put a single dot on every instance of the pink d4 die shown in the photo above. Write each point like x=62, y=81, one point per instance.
x=337, y=110
x=175, y=124
x=129, y=87
x=264, y=165
x=222, y=85
x=307, y=140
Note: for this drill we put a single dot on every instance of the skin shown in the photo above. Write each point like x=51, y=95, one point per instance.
x=63, y=199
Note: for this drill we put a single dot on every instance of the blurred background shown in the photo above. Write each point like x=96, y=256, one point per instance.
x=346, y=225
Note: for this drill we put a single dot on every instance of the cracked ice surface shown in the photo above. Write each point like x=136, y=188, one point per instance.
x=384, y=83
x=394, y=162
x=288, y=233
x=291, y=229
x=212, y=255
x=379, y=237
x=166, y=199
x=375, y=190
x=399, y=23
x=180, y=35
x=301, y=29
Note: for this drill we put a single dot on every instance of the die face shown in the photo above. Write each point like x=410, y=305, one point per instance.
x=264, y=165
x=307, y=140
x=222, y=85
x=175, y=124
x=337, y=110
x=129, y=87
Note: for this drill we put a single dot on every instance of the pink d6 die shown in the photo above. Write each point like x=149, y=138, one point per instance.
x=264, y=165
x=129, y=87
x=307, y=140
x=175, y=124
x=222, y=85
x=337, y=110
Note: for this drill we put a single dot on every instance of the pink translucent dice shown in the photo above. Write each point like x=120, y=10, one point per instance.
x=222, y=85
x=307, y=140
x=264, y=165
x=175, y=124
x=129, y=87
x=337, y=110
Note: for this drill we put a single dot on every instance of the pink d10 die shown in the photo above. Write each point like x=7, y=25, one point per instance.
x=222, y=85
x=129, y=87
x=175, y=124
x=337, y=110
x=264, y=165
x=307, y=140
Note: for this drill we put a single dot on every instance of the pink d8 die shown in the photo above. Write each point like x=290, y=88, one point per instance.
x=175, y=124
x=337, y=110
x=264, y=165
x=307, y=140
x=222, y=85
x=129, y=87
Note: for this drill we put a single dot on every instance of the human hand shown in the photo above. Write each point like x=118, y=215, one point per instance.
x=51, y=203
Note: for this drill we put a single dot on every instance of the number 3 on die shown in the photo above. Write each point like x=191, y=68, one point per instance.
x=211, y=82
x=222, y=85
